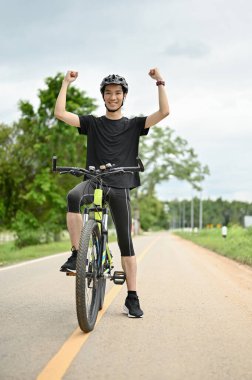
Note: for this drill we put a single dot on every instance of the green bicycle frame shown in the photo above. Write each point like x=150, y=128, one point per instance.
x=101, y=216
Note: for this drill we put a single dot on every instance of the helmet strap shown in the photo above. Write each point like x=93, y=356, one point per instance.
x=116, y=109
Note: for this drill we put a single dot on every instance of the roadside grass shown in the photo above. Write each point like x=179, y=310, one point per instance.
x=10, y=254
x=237, y=245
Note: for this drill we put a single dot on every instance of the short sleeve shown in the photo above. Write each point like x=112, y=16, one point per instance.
x=85, y=122
x=141, y=124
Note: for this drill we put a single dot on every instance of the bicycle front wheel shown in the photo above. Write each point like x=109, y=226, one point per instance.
x=102, y=288
x=87, y=282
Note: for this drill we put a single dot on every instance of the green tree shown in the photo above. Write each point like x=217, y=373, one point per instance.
x=7, y=182
x=153, y=215
x=215, y=212
x=166, y=156
x=36, y=196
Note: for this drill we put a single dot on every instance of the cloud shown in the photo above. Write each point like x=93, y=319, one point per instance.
x=188, y=49
x=203, y=50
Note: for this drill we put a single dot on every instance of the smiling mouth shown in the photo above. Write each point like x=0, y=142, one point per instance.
x=113, y=105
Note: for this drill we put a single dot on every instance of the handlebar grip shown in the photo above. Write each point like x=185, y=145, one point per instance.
x=54, y=163
x=140, y=164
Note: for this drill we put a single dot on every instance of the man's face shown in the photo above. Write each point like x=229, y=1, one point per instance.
x=113, y=96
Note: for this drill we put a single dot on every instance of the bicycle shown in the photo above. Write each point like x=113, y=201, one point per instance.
x=94, y=260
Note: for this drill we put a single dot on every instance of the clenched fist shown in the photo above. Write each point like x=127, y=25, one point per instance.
x=71, y=76
x=155, y=74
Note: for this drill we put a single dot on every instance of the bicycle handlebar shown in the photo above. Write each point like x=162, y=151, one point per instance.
x=104, y=169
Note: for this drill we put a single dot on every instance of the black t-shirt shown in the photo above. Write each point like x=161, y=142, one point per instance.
x=115, y=142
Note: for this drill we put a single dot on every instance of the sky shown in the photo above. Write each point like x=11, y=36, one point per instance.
x=203, y=50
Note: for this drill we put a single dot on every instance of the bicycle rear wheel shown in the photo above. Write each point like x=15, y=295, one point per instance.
x=87, y=282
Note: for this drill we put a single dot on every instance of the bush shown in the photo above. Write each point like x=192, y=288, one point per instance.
x=27, y=230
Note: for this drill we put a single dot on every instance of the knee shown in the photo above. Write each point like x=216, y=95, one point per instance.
x=126, y=245
x=73, y=202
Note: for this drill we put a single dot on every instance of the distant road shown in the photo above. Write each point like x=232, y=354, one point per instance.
x=197, y=323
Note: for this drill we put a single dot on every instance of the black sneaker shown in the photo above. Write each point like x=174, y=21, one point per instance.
x=70, y=264
x=132, y=307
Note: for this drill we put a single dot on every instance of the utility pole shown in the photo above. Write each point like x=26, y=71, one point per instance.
x=200, y=212
x=192, y=214
x=183, y=214
x=180, y=215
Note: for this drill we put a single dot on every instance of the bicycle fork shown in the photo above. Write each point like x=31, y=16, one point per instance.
x=101, y=216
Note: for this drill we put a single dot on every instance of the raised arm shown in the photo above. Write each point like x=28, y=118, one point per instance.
x=60, y=106
x=163, y=111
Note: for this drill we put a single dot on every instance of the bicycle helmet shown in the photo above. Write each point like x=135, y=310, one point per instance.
x=114, y=79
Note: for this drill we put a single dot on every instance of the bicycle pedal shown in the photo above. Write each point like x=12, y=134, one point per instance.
x=70, y=273
x=118, y=277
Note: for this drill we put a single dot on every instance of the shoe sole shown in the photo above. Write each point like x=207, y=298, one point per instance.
x=66, y=270
x=126, y=311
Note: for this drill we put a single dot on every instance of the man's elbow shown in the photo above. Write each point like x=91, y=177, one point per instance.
x=165, y=113
x=58, y=115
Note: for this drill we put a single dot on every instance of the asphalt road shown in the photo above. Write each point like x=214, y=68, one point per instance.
x=197, y=323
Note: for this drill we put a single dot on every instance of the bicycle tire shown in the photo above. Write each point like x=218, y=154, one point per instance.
x=87, y=283
x=102, y=288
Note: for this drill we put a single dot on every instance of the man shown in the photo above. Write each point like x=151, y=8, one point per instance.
x=113, y=139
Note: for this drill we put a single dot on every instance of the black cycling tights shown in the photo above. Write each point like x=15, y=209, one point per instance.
x=119, y=204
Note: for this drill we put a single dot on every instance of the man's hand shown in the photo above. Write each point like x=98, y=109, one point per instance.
x=71, y=76
x=155, y=74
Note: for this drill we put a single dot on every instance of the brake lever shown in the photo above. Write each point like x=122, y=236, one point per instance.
x=73, y=172
x=76, y=174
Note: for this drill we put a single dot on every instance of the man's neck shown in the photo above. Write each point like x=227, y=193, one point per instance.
x=114, y=115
